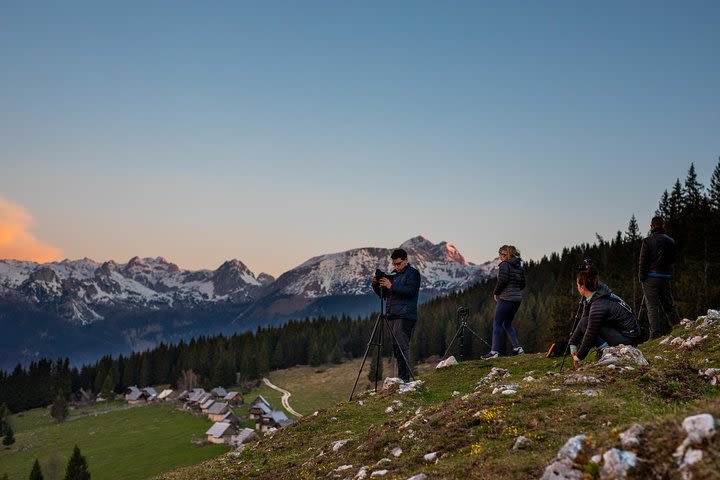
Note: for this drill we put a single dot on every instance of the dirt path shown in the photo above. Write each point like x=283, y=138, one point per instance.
x=285, y=397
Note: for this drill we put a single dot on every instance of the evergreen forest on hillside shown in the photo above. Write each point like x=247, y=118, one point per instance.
x=692, y=214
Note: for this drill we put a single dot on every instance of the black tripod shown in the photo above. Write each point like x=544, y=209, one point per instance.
x=378, y=331
x=462, y=314
x=578, y=314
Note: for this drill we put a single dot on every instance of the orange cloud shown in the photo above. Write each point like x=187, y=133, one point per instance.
x=16, y=242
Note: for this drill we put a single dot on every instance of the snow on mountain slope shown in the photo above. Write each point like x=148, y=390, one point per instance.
x=442, y=267
x=81, y=290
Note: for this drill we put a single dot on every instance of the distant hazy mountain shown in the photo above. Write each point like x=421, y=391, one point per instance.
x=83, y=308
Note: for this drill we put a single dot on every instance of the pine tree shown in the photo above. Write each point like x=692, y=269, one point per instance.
x=9, y=438
x=3, y=419
x=663, y=209
x=107, y=391
x=59, y=409
x=676, y=202
x=692, y=193
x=77, y=468
x=36, y=473
x=633, y=232
x=714, y=192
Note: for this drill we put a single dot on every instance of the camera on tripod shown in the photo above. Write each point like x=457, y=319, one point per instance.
x=380, y=274
x=584, y=265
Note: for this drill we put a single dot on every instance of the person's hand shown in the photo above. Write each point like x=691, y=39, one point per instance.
x=576, y=360
x=386, y=283
x=496, y=298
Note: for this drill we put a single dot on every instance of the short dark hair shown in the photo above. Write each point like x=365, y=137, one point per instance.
x=657, y=222
x=589, y=278
x=399, y=253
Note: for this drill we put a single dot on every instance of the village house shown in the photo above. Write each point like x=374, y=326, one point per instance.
x=230, y=417
x=245, y=436
x=205, y=406
x=233, y=398
x=151, y=393
x=221, y=432
x=259, y=407
x=217, y=411
x=218, y=393
x=274, y=419
x=135, y=396
x=165, y=395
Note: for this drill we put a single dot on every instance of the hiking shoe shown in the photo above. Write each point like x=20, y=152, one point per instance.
x=518, y=351
x=489, y=355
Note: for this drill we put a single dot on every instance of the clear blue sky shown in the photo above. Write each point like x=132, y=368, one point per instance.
x=275, y=131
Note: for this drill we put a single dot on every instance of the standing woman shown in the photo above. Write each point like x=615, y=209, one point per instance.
x=510, y=280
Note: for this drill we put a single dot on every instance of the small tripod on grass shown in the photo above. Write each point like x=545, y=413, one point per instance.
x=462, y=315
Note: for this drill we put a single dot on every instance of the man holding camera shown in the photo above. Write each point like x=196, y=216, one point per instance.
x=401, y=289
x=657, y=256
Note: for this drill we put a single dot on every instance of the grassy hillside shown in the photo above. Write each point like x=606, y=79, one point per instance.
x=473, y=430
x=125, y=443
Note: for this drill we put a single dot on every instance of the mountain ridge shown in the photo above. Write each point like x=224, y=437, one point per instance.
x=149, y=300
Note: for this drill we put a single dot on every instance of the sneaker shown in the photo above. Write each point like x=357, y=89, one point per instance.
x=489, y=355
x=518, y=351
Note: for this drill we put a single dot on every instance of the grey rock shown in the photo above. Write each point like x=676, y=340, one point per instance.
x=338, y=445
x=581, y=379
x=572, y=447
x=448, y=362
x=396, y=452
x=630, y=438
x=622, y=355
x=419, y=476
x=562, y=470
x=430, y=457
x=699, y=427
x=410, y=386
x=616, y=464
x=379, y=473
x=521, y=443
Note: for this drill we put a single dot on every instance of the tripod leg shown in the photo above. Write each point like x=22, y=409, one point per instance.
x=572, y=330
x=402, y=354
x=370, y=343
x=479, y=337
x=451, y=343
x=378, y=358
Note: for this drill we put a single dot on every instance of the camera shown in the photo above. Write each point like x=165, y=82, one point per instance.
x=584, y=265
x=380, y=274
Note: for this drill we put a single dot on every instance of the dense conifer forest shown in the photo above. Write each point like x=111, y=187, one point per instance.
x=692, y=213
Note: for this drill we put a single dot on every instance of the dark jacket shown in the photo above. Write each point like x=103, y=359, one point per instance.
x=402, y=301
x=657, y=255
x=510, y=280
x=602, y=288
x=610, y=311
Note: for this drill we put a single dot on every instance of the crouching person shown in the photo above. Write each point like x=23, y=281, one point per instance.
x=607, y=320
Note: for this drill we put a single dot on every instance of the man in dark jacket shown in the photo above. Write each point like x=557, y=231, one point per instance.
x=657, y=256
x=401, y=289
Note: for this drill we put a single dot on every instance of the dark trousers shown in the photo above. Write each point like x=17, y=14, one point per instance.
x=402, y=330
x=502, y=322
x=607, y=335
x=659, y=294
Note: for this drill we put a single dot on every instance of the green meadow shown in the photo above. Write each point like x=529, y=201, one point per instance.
x=118, y=442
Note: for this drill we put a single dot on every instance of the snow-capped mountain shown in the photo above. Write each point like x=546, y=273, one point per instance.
x=442, y=268
x=89, y=308
x=85, y=291
x=340, y=282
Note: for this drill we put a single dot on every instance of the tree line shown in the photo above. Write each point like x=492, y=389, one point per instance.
x=692, y=214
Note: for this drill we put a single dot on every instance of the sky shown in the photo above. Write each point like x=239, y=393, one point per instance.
x=274, y=131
